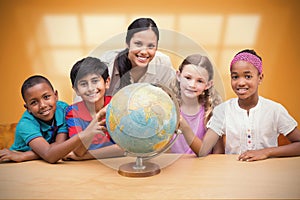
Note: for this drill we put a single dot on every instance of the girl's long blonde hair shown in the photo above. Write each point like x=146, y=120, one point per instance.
x=210, y=98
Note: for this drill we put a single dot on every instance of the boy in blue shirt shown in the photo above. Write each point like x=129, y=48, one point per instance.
x=42, y=131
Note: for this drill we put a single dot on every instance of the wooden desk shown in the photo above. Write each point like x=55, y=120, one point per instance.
x=215, y=176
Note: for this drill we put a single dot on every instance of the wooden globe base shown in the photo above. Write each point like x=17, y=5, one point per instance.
x=129, y=170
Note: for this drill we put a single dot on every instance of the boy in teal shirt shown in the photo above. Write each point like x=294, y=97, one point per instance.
x=42, y=131
x=30, y=127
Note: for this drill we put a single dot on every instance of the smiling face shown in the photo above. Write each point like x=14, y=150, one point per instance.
x=193, y=81
x=142, y=48
x=91, y=88
x=40, y=101
x=245, y=79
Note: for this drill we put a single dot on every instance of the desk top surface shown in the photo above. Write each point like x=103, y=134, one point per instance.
x=181, y=177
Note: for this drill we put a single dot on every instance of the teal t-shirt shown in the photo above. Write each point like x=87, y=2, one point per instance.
x=30, y=127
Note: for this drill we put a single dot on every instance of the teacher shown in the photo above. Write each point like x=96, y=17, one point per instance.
x=139, y=62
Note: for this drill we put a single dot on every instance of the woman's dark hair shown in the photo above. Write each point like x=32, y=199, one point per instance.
x=141, y=24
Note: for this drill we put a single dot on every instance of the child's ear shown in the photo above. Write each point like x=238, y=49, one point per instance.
x=261, y=77
x=26, y=107
x=209, y=84
x=178, y=75
x=107, y=83
x=56, y=95
x=75, y=90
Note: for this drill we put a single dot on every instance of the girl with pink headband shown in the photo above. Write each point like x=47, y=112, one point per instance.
x=251, y=123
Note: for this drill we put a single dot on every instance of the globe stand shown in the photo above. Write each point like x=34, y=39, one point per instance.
x=139, y=169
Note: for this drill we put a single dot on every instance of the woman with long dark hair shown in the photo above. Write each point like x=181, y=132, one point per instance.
x=139, y=61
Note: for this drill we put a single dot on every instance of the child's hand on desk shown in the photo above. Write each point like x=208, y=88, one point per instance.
x=8, y=155
x=73, y=156
x=254, y=155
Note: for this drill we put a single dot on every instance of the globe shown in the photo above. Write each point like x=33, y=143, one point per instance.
x=142, y=119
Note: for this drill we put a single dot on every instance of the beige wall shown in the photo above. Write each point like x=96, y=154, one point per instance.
x=47, y=37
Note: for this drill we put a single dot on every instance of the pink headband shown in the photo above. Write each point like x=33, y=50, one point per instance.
x=248, y=57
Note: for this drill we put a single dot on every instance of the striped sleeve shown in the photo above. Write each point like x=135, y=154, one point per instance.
x=73, y=121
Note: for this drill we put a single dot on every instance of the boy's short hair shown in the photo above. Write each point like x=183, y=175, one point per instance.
x=32, y=81
x=88, y=65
